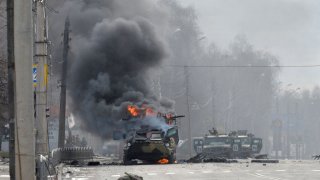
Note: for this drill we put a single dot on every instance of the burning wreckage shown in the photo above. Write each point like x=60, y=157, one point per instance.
x=151, y=136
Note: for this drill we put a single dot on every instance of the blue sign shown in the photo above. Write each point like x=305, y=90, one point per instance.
x=34, y=74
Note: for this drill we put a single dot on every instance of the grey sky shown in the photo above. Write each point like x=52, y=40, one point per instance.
x=290, y=29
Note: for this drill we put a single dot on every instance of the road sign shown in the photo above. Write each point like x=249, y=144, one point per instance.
x=34, y=74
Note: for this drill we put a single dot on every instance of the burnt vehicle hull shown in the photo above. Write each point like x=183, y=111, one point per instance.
x=151, y=152
x=151, y=146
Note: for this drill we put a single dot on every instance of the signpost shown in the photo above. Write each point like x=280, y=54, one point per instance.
x=277, y=134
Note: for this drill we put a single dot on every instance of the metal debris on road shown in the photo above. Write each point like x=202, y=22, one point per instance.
x=199, y=158
x=264, y=161
x=316, y=157
x=130, y=176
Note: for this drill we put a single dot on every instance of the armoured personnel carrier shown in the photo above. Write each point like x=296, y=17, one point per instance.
x=245, y=146
x=237, y=144
x=217, y=146
x=152, y=146
x=149, y=143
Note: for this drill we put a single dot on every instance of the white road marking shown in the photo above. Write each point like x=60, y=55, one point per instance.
x=115, y=175
x=191, y=172
x=263, y=176
x=5, y=176
x=80, y=178
x=206, y=172
x=281, y=170
x=227, y=171
x=152, y=174
x=253, y=175
x=316, y=170
x=170, y=173
x=268, y=177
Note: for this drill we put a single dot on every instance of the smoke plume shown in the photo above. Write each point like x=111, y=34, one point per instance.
x=113, y=53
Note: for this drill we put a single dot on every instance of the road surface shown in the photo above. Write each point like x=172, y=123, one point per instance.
x=285, y=170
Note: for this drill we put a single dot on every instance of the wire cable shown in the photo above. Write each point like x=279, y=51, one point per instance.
x=244, y=66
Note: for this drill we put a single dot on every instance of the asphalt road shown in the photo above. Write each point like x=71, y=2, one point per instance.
x=285, y=170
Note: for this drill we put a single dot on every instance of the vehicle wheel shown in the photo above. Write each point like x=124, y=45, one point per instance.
x=172, y=158
x=126, y=160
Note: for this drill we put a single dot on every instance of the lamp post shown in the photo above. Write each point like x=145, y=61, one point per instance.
x=277, y=125
x=290, y=93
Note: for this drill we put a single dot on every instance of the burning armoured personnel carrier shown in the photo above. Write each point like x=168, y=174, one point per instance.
x=155, y=140
x=237, y=144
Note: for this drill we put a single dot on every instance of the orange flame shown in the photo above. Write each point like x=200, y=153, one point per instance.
x=163, y=161
x=150, y=112
x=133, y=110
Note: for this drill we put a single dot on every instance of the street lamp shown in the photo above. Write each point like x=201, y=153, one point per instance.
x=290, y=93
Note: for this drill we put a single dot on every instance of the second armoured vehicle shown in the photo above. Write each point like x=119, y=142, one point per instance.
x=237, y=144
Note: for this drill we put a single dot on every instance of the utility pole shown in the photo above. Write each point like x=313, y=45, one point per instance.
x=186, y=74
x=41, y=63
x=62, y=115
x=11, y=77
x=277, y=109
x=288, y=129
x=41, y=54
x=23, y=89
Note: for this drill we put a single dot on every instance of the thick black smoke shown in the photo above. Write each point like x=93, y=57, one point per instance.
x=111, y=69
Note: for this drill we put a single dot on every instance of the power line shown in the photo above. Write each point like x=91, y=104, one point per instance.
x=245, y=66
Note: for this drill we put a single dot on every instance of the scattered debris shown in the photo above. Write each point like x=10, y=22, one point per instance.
x=196, y=159
x=261, y=156
x=199, y=158
x=220, y=160
x=264, y=161
x=68, y=174
x=316, y=157
x=130, y=176
x=112, y=164
x=131, y=162
x=93, y=163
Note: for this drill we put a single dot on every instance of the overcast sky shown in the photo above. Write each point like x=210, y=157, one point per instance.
x=289, y=29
